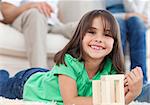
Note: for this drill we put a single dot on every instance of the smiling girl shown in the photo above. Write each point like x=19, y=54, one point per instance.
x=93, y=51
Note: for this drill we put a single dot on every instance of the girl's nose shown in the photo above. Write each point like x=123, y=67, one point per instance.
x=98, y=40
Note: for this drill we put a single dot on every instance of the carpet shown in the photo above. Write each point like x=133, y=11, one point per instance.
x=4, y=101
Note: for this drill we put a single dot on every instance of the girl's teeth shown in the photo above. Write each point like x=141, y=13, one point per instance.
x=97, y=48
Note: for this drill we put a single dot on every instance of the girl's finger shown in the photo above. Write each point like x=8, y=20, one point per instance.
x=125, y=82
x=139, y=71
x=126, y=89
x=129, y=78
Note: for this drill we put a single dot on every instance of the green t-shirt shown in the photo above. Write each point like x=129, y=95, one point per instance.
x=44, y=87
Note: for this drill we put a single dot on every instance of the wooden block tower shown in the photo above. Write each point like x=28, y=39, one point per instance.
x=109, y=90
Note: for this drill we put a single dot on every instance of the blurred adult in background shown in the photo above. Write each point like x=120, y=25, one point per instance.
x=133, y=29
x=139, y=7
x=34, y=18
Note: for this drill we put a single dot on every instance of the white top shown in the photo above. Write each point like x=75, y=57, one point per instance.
x=53, y=19
x=139, y=6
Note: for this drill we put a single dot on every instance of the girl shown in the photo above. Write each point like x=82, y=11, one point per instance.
x=94, y=50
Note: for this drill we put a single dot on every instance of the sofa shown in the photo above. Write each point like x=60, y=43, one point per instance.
x=12, y=45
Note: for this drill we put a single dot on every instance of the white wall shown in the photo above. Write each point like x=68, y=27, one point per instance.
x=74, y=9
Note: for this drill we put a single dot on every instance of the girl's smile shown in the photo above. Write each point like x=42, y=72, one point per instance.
x=97, y=47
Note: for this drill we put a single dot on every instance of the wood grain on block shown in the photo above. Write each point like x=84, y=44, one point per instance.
x=109, y=90
x=96, y=85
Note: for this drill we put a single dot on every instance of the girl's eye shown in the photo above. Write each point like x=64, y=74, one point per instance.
x=108, y=35
x=92, y=32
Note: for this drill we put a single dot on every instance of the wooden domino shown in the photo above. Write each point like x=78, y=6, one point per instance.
x=109, y=90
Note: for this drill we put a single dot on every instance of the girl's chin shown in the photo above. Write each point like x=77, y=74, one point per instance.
x=96, y=56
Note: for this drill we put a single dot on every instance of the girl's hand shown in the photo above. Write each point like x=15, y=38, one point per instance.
x=126, y=89
x=134, y=84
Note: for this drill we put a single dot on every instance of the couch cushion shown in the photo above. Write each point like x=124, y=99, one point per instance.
x=12, y=42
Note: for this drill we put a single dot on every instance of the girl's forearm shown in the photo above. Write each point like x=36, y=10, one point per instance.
x=79, y=101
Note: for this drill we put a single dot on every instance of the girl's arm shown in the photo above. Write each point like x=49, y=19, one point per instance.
x=70, y=96
x=134, y=83
x=68, y=89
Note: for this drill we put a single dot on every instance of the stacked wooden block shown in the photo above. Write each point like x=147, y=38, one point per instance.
x=109, y=90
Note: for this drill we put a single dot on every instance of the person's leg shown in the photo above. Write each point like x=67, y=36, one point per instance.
x=145, y=95
x=123, y=32
x=12, y=88
x=137, y=44
x=33, y=25
x=66, y=30
x=4, y=76
x=6, y=85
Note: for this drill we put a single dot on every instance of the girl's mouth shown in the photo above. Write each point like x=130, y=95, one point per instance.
x=96, y=47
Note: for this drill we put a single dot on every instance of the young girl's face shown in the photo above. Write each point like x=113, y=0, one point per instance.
x=97, y=43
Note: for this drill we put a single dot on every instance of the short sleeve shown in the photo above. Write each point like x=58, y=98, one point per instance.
x=73, y=67
x=64, y=70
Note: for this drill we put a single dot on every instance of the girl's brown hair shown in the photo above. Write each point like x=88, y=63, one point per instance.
x=75, y=49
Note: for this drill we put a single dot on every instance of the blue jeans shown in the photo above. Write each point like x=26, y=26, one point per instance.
x=145, y=95
x=13, y=87
x=115, y=8
x=134, y=30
